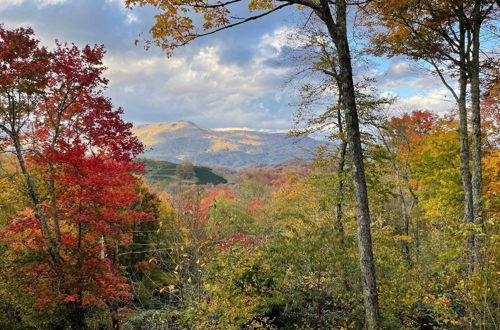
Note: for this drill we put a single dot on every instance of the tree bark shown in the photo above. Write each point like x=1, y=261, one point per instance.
x=35, y=200
x=341, y=164
x=477, y=182
x=338, y=32
x=463, y=133
x=340, y=188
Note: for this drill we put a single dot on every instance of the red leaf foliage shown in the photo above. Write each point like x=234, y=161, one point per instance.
x=82, y=154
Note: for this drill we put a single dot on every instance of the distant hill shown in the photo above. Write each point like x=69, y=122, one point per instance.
x=186, y=141
x=159, y=174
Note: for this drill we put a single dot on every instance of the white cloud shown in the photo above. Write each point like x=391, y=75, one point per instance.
x=201, y=87
x=418, y=83
x=272, y=44
x=262, y=130
x=278, y=39
x=50, y=2
x=388, y=94
x=437, y=100
x=41, y=3
x=8, y=3
x=416, y=87
x=400, y=68
x=130, y=18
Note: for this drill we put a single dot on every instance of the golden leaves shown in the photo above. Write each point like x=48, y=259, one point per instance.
x=255, y=5
x=403, y=238
x=168, y=288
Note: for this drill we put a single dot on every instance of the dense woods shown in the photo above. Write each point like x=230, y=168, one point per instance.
x=394, y=225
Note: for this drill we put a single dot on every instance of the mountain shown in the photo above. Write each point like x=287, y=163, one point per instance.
x=186, y=141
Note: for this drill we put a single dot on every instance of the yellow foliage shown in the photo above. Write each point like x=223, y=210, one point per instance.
x=251, y=142
x=10, y=184
x=150, y=134
x=404, y=238
x=491, y=187
x=221, y=145
x=254, y=5
x=248, y=136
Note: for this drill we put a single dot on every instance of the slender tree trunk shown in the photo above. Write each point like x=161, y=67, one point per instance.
x=341, y=164
x=413, y=202
x=367, y=262
x=406, y=228
x=53, y=205
x=463, y=133
x=464, y=150
x=35, y=200
x=103, y=248
x=340, y=189
x=402, y=203
x=338, y=32
x=477, y=182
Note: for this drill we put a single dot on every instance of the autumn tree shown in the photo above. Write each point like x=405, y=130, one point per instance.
x=400, y=136
x=75, y=155
x=317, y=76
x=185, y=170
x=447, y=35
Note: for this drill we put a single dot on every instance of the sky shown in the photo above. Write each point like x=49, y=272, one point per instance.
x=230, y=79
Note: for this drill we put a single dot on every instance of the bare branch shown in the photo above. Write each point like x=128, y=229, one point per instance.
x=248, y=19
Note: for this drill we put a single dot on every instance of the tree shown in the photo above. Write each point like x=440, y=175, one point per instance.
x=400, y=136
x=446, y=35
x=175, y=26
x=318, y=71
x=185, y=170
x=75, y=155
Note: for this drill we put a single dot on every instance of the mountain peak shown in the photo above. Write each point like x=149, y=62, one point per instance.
x=185, y=141
x=153, y=134
x=167, y=125
x=185, y=122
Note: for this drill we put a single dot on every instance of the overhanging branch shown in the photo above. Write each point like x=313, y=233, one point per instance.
x=248, y=19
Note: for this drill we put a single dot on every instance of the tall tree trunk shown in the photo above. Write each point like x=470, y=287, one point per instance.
x=341, y=164
x=405, y=210
x=366, y=259
x=406, y=226
x=463, y=133
x=477, y=182
x=338, y=32
x=36, y=202
x=53, y=205
x=464, y=165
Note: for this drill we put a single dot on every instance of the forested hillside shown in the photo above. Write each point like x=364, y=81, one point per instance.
x=393, y=225
x=160, y=174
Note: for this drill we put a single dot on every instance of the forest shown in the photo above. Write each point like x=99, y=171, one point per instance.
x=393, y=225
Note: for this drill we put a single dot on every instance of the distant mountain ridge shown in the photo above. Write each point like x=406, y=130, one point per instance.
x=186, y=141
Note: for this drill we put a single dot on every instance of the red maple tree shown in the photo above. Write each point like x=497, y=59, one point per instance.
x=76, y=156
